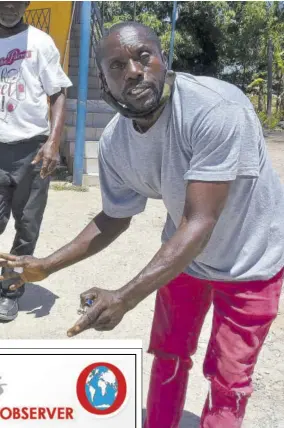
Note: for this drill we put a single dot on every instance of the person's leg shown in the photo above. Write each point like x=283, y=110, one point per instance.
x=8, y=309
x=243, y=314
x=28, y=206
x=181, y=307
x=6, y=194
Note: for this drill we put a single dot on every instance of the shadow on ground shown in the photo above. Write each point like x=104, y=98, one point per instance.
x=189, y=420
x=37, y=300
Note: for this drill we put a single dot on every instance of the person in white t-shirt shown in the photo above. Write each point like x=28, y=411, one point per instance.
x=30, y=72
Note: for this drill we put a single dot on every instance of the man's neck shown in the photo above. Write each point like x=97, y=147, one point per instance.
x=143, y=124
x=8, y=32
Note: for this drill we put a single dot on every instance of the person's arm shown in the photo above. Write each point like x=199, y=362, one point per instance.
x=96, y=236
x=57, y=110
x=54, y=82
x=203, y=206
x=49, y=152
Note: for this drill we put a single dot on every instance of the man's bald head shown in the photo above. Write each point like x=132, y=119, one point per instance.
x=121, y=28
x=132, y=65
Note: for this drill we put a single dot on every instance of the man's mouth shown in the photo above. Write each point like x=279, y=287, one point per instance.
x=140, y=92
x=9, y=17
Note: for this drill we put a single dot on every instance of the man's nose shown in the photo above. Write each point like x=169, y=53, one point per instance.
x=134, y=70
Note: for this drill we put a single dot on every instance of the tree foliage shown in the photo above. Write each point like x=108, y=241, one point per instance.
x=226, y=39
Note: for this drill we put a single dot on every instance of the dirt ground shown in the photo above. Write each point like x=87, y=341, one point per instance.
x=48, y=309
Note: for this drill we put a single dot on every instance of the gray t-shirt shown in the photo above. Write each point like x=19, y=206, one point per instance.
x=208, y=132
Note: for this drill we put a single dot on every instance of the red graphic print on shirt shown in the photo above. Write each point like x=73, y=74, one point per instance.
x=12, y=83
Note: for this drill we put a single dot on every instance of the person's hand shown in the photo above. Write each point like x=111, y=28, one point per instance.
x=49, y=155
x=104, y=314
x=33, y=269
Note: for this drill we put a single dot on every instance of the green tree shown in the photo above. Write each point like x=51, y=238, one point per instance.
x=226, y=39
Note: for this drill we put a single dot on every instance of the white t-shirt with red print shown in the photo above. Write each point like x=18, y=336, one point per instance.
x=30, y=71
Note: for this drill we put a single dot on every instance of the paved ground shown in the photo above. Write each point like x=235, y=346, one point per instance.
x=48, y=309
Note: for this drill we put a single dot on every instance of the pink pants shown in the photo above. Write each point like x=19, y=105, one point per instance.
x=243, y=314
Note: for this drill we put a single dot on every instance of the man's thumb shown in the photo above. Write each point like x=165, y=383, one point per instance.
x=37, y=158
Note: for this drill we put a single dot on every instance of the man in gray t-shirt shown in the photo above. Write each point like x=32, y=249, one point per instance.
x=197, y=144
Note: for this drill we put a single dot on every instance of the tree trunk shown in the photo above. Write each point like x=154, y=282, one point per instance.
x=282, y=106
x=269, y=77
x=260, y=100
x=244, y=78
x=279, y=89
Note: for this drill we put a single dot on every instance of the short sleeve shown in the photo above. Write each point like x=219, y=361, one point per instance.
x=51, y=74
x=225, y=144
x=118, y=199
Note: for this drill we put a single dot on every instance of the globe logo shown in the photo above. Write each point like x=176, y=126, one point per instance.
x=101, y=388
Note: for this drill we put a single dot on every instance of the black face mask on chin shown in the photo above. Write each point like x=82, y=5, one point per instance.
x=125, y=111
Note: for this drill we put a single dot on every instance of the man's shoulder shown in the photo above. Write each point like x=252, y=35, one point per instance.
x=39, y=37
x=112, y=131
x=206, y=90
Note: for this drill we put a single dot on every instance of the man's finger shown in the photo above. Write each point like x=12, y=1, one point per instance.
x=37, y=158
x=52, y=167
x=9, y=275
x=9, y=257
x=82, y=324
x=16, y=285
x=87, y=296
x=86, y=321
x=104, y=327
x=15, y=264
x=3, y=263
x=44, y=168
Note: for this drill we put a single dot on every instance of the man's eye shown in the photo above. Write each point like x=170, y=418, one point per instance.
x=117, y=65
x=145, y=57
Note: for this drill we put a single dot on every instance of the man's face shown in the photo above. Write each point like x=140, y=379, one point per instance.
x=11, y=12
x=134, y=69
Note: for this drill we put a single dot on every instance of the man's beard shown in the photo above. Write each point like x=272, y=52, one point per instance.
x=148, y=106
x=13, y=25
x=126, y=108
x=164, y=95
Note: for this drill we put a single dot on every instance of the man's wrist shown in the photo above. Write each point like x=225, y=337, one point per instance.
x=129, y=297
x=53, y=142
x=47, y=265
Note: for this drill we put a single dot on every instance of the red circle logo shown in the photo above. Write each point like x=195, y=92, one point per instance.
x=101, y=388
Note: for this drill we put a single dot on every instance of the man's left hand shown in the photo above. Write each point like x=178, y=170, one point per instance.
x=49, y=155
x=104, y=314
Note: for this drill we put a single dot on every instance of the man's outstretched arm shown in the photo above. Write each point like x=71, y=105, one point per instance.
x=96, y=236
x=203, y=206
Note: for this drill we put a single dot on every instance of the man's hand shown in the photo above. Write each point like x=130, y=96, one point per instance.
x=105, y=314
x=33, y=269
x=49, y=155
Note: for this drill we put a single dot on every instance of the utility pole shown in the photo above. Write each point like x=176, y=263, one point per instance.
x=172, y=43
x=269, y=76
